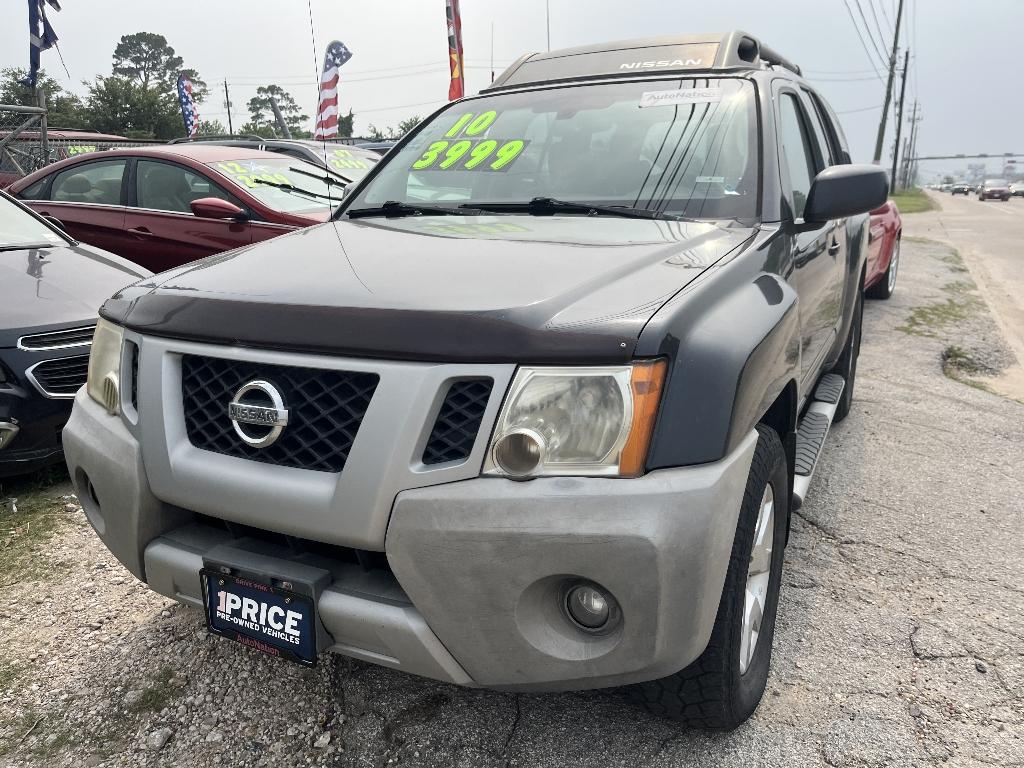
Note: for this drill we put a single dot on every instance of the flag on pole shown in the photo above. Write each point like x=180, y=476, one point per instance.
x=189, y=111
x=41, y=36
x=327, y=113
x=456, y=89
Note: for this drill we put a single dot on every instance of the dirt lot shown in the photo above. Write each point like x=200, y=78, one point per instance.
x=900, y=637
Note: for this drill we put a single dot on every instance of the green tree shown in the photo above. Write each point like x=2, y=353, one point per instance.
x=345, y=124
x=147, y=59
x=211, y=128
x=266, y=131
x=393, y=132
x=261, y=112
x=64, y=109
x=120, y=105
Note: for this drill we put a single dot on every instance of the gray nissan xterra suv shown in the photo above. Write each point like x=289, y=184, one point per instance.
x=533, y=411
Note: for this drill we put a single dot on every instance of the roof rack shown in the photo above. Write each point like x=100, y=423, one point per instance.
x=217, y=137
x=730, y=51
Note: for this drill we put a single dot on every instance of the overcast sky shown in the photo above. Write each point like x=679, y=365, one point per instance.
x=965, y=55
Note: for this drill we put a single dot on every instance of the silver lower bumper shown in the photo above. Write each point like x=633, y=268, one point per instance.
x=475, y=566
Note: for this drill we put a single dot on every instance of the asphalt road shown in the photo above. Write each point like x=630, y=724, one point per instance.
x=900, y=639
x=990, y=237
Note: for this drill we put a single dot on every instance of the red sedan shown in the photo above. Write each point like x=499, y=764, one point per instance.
x=165, y=206
x=884, y=234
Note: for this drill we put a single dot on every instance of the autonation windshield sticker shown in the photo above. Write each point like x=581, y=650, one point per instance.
x=683, y=96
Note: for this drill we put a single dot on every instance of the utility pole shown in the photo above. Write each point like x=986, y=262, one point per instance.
x=547, y=9
x=899, y=122
x=915, y=118
x=279, y=118
x=888, y=87
x=227, y=104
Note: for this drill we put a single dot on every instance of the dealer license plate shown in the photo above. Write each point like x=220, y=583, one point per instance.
x=277, y=621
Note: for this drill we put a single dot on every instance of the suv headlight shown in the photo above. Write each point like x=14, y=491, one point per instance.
x=577, y=421
x=103, y=385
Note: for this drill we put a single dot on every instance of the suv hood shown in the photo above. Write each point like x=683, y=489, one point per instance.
x=48, y=288
x=454, y=289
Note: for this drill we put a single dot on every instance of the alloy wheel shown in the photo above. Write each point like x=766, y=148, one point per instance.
x=758, y=575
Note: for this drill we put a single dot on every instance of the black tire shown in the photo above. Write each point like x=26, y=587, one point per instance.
x=847, y=365
x=711, y=692
x=884, y=288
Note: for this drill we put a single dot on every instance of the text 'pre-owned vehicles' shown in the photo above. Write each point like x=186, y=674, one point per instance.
x=51, y=289
x=533, y=411
x=168, y=205
x=994, y=189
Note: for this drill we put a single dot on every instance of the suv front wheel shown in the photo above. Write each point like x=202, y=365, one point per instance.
x=722, y=688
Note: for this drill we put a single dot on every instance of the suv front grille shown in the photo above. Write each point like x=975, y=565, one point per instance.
x=61, y=377
x=325, y=409
x=458, y=421
x=68, y=337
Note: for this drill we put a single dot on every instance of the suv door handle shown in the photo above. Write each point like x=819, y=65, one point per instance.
x=834, y=248
x=140, y=232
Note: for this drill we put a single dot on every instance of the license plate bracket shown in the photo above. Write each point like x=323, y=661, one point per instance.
x=261, y=614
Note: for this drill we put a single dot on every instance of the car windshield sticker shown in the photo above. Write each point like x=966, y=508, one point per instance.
x=470, y=155
x=247, y=172
x=682, y=96
x=343, y=159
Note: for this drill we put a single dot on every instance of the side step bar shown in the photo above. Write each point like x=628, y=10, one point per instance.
x=810, y=436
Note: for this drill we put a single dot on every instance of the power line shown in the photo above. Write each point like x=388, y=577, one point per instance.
x=842, y=79
x=885, y=15
x=860, y=37
x=862, y=109
x=881, y=34
x=867, y=31
x=837, y=71
x=880, y=138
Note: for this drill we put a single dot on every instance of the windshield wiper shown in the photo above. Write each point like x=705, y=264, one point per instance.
x=295, y=190
x=393, y=208
x=29, y=246
x=325, y=179
x=540, y=206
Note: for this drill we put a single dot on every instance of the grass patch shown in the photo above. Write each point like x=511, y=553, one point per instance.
x=914, y=200
x=30, y=515
x=157, y=694
x=926, y=320
x=960, y=365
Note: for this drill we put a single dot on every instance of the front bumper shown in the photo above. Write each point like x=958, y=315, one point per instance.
x=36, y=424
x=469, y=594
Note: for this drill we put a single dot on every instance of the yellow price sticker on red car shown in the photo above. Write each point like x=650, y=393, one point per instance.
x=470, y=155
x=248, y=174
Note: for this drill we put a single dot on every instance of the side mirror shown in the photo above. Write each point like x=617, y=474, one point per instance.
x=846, y=190
x=215, y=208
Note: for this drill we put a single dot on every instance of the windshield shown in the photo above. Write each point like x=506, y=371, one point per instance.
x=995, y=182
x=250, y=174
x=683, y=147
x=20, y=230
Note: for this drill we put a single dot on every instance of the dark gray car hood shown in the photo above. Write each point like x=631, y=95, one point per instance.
x=47, y=288
x=480, y=289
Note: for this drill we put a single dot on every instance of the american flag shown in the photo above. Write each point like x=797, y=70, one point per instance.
x=40, y=36
x=327, y=112
x=456, y=88
x=189, y=112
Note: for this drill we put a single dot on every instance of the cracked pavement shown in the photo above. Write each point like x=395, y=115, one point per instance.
x=900, y=637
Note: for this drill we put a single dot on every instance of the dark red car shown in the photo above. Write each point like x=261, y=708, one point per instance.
x=165, y=206
x=884, y=234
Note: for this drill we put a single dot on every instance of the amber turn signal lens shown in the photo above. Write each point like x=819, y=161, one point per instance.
x=646, y=383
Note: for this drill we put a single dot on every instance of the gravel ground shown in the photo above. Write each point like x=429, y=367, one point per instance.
x=900, y=638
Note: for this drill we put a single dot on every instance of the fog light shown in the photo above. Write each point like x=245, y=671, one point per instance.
x=588, y=606
x=520, y=452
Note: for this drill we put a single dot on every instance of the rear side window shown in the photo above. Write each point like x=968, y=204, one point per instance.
x=821, y=134
x=833, y=128
x=96, y=183
x=797, y=156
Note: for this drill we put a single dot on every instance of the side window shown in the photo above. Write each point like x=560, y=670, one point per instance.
x=820, y=132
x=96, y=183
x=833, y=128
x=797, y=155
x=167, y=187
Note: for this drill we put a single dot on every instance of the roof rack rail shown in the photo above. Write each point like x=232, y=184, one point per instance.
x=731, y=51
x=217, y=137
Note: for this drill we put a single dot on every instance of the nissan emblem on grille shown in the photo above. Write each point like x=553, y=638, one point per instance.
x=273, y=416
